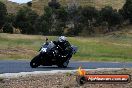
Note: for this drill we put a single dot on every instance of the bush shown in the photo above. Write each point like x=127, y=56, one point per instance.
x=54, y=4
x=71, y=20
x=44, y=23
x=10, y=18
x=89, y=16
x=3, y=13
x=111, y=16
x=7, y=28
x=29, y=4
x=25, y=20
x=89, y=13
x=126, y=11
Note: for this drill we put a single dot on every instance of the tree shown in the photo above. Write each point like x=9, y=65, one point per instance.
x=25, y=20
x=89, y=16
x=89, y=13
x=73, y=22
x=29, y=4
x=60, y=20
x=10, y=18
x=7, y=28
x=53, y=21
x=44, y=23
x=126, y=11
x=111, y=16
x=42, y=26
x=54, y=4
x=3, y=13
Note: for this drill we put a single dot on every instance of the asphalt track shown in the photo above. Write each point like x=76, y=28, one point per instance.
x=17, y=66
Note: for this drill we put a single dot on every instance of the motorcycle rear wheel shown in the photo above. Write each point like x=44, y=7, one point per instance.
x=64, y=64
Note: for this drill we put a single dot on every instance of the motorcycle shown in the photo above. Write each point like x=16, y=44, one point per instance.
x=49, y=55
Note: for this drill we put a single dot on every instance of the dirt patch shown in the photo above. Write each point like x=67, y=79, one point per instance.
x=20, y=36
x=61, y=81
x=17, y=51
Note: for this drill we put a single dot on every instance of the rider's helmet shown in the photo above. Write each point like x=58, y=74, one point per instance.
x=62, y=39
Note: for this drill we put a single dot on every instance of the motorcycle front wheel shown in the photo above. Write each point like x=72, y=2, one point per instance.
x=35, y=62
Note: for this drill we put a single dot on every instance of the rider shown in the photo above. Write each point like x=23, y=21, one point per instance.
x=63, y=46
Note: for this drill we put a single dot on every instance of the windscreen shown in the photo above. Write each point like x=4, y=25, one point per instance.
x=51, y=45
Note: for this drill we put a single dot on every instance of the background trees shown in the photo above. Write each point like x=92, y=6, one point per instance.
x=111, y=16
x=71, y=20
x=3, y=13
x=89, y=17
x=7, y=28
x=54, y=4
x=25, y=20
x=44, y=22
x=126, y=11
x=29, y=4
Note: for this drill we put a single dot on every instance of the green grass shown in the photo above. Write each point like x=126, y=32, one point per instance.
x=104, y=49
x=107, y=48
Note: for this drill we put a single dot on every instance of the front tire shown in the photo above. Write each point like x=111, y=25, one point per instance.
x=34, y=62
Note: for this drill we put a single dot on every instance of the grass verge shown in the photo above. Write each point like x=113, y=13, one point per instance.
x=105, y=48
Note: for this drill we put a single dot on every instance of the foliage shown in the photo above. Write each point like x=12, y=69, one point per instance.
x=126, y=11
x=111, y=16
x=3, y=13
x=60, y=21
x=29, y=4
x=89, y=16
x=10, y=18
x=71, y=20
x=54, y=4
x=25, y=20
x=52, y=22
x=44, y=22
x=7, y=28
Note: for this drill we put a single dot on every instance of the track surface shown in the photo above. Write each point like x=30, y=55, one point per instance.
x=16, y=66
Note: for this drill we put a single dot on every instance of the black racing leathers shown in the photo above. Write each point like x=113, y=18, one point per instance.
x=64, y=48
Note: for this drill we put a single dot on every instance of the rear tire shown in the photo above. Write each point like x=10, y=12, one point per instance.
x=63, y=65
x=34, y=62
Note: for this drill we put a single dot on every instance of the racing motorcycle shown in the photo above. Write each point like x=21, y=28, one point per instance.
x=49, y=55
